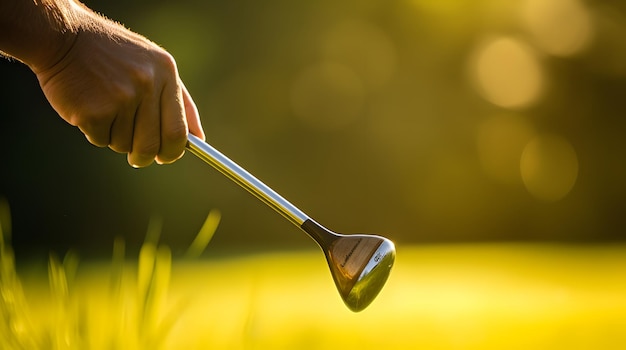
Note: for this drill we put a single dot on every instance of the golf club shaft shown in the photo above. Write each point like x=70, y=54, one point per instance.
x=246, y=180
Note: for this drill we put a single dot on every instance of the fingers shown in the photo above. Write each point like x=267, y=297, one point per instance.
x=121, y=139
x=146, y=138
x=150, y=124
x=160, y=128
x=173, y=125
x=156, y=129
x=96, y=130
x=96, y=141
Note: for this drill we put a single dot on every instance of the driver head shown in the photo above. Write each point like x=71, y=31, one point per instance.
x=360, y=265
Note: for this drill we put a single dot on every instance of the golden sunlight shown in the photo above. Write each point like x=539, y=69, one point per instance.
x=507, y=72
x=537, y=296
x=559, y=27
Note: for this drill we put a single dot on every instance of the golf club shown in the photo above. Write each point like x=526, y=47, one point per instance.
x=359, y=263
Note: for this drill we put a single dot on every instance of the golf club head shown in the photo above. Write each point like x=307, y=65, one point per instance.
x=360, y=265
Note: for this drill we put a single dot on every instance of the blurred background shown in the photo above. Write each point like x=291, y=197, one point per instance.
x=486, y=138
x=425, y=121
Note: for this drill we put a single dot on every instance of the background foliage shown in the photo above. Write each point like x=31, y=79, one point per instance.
x=427, y=121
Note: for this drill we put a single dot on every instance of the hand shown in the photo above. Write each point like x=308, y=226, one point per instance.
x=124, y=92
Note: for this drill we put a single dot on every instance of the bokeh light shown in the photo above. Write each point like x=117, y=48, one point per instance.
x=549, y=167
x=559, y=27
x=507, y=72
x=426, y=106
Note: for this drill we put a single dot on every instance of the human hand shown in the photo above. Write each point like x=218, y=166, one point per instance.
x=122, y=91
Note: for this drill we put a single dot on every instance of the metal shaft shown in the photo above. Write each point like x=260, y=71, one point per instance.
x=246, y=180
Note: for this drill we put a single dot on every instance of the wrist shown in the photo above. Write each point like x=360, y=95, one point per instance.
x=63, y=25
x=38, y=33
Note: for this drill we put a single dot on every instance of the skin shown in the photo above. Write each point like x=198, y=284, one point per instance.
x=120, y=89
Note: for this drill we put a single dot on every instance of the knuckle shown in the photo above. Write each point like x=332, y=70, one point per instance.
x=160, y=62
x=146, y=150
x=173, y=139
x=95, y=127
x=174, y=134
x=125, y=95
x=144, y=76
x=92, y=117
x=168, y=61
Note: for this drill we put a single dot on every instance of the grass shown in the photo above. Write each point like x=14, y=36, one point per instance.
x=71, y=315
x=465, y=296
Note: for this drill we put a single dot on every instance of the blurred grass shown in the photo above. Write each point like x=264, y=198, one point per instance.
x=133, y=314
x=463, y=296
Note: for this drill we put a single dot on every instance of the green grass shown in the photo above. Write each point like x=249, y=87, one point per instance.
x=131, y=314
x=465, y=296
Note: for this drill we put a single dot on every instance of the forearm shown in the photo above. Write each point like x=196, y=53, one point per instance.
x=38, y=32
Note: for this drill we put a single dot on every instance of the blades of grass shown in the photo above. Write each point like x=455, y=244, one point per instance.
x=57, y=279
x=156, y=297
x=5, y=222
x=147, y=261
x=16, y=330
x=205, y=234
x=163, y=271
x=60, y=330
x=67, y=331
x=117, y=317
x=145, y=274
x=8, y=275
x=152, y=299
x=168, y=321
x=76, y=311
x=117, y=269
x=148, y=275
x=153, y=233
x=70, y=267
